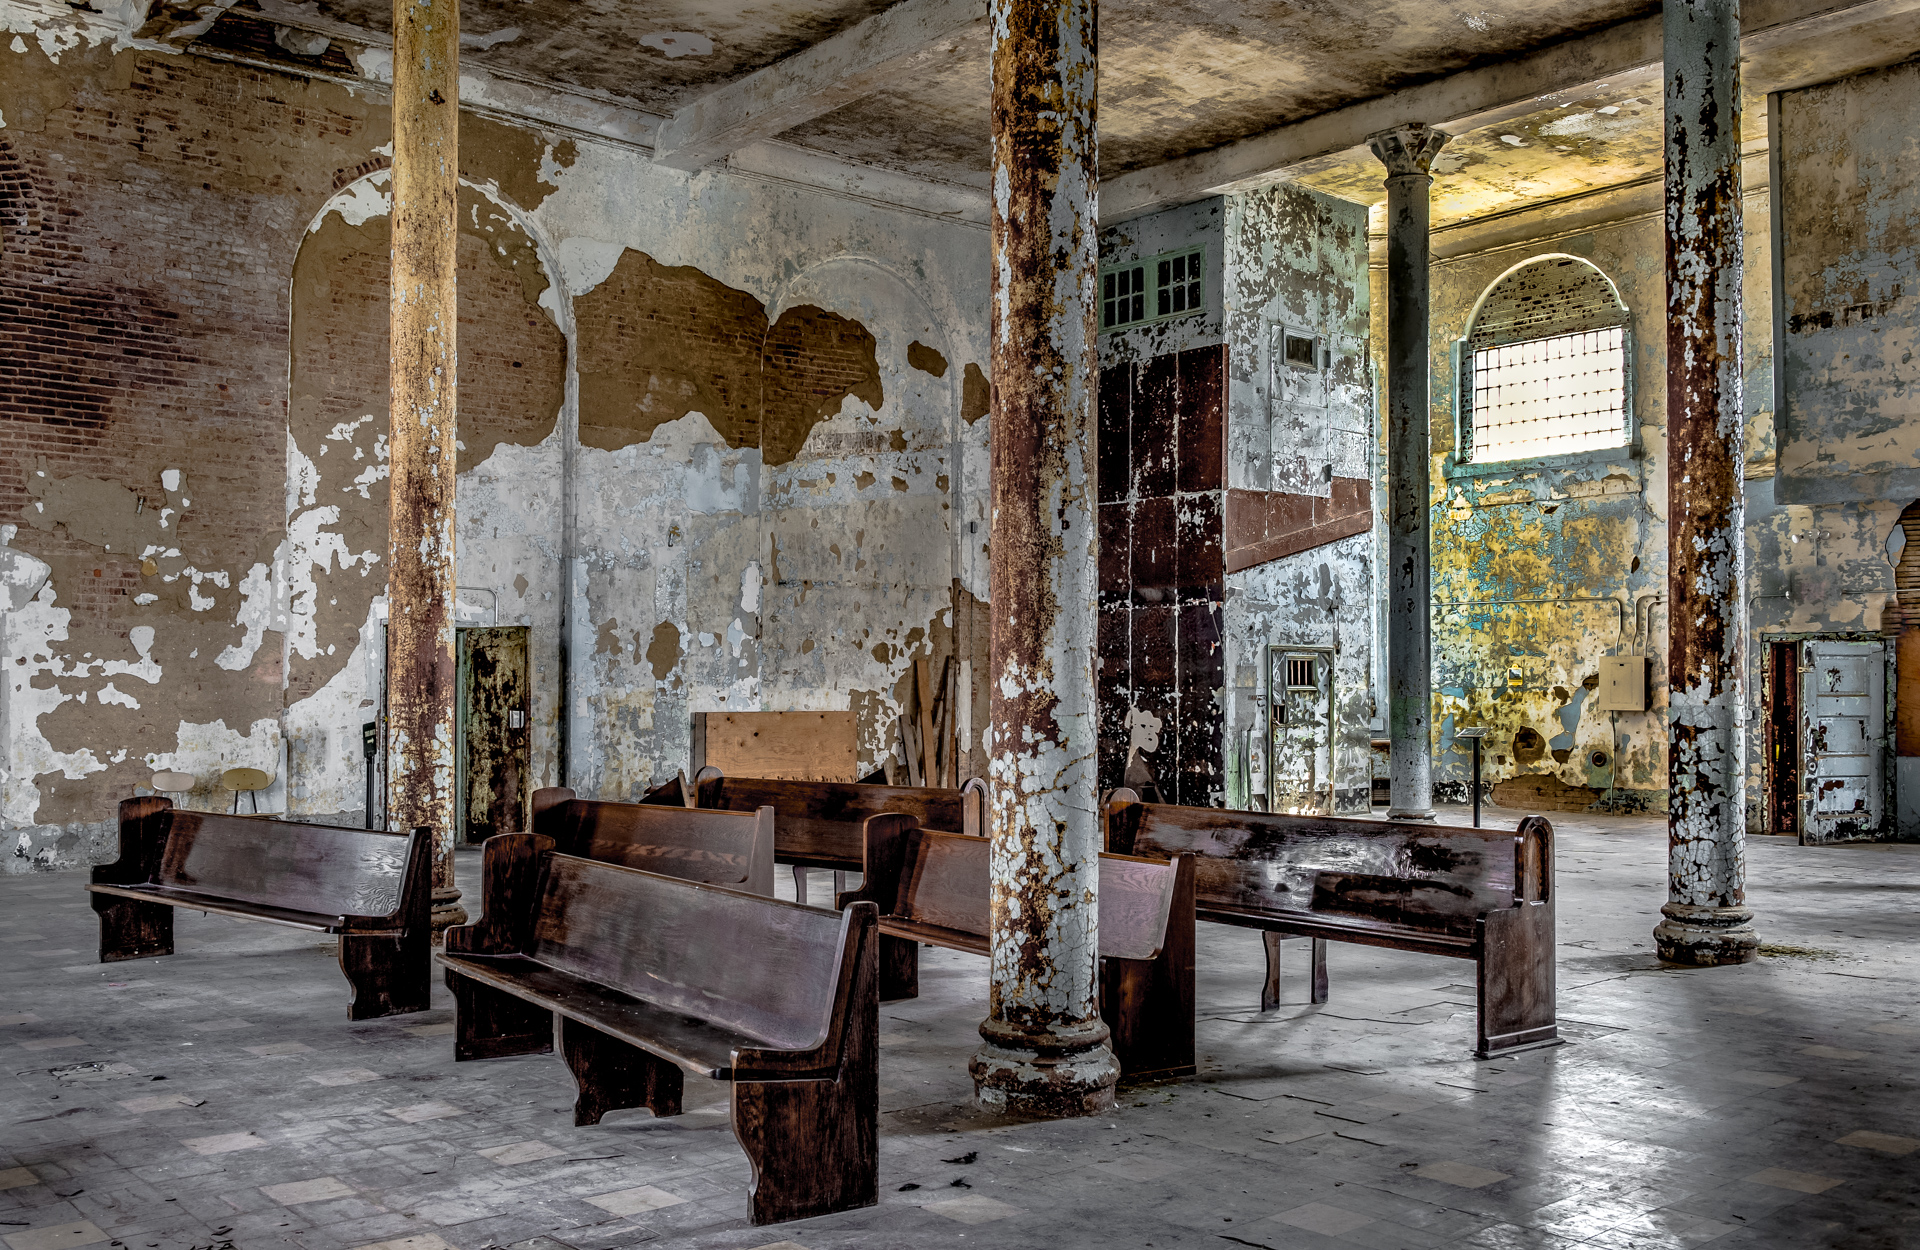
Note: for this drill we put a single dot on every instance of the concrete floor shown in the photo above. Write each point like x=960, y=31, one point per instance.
x=219, y=1098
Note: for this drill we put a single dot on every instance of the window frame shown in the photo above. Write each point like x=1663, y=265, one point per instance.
x=1459, y=461
x=1150, y=288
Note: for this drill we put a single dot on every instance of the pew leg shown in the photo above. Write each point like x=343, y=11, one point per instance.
x=130, y=929
x=390, y=976
x=815, y=1145
x=1148, y=1009
x=799, y=883
x=899, y=968
x=839, y=883
x=492, y=1024
x=1516, y=980
x=1319, y=970
x=612, y=1075
x=1270, y=988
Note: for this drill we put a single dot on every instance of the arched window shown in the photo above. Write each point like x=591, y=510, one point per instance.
x=1543, y=370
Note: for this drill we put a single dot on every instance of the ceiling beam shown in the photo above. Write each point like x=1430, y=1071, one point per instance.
x=1477, y=98
x=885, y=48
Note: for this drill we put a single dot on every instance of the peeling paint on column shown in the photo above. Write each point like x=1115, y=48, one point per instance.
x=1706, y=917
x=421, y=433
x=1408, y=154
x=1045, y=1050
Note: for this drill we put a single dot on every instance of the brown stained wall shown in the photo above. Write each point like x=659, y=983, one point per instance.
x=151, y=212
x=511, y=386
x=658, y=342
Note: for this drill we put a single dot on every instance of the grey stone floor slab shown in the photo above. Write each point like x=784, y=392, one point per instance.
x=220, y=1099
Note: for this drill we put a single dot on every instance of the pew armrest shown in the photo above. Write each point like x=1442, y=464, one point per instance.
x=883, y=855
x=509, y=895
x=144, y=824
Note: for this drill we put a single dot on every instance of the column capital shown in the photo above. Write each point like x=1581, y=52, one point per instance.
x=1408, y=149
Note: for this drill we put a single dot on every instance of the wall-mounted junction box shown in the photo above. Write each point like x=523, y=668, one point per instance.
x=1623, y=683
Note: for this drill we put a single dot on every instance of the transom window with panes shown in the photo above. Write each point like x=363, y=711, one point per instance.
x=1544, y=369
x=1159, y=288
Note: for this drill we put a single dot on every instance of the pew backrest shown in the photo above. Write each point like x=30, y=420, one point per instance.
x=773, y=970
x=1440, y=878
x=931, y=877
x=322, y=869
x=733, y=849
x=821, y=820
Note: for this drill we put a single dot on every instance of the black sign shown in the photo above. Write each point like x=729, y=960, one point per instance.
x=370, y=738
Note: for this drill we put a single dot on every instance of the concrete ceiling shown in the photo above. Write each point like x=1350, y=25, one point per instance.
x=1547, y=99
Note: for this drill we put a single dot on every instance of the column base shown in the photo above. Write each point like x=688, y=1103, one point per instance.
x=1412, y=813
x=1051, y=1075
x=1706, y=937
x=447, y=911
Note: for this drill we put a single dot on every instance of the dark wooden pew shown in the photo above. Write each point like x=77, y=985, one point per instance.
x=732, y=849
x=1479, y=894
x=652, y=977
x=933, y=887
x=817, y=823
x=375, y=890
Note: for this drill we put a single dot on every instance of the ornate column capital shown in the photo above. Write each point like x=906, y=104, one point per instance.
x=1408, y=149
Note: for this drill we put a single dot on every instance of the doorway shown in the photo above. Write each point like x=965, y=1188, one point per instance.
x=1300, y=730
x=492, y=735
x=1828, y=736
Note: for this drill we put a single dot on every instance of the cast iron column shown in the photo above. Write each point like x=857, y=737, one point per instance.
x=1707, y=919
x=423, y=316
x=1408, y=152
x=1046, y=1047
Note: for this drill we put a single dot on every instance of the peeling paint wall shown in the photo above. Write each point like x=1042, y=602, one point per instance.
x=1543, y=567
x=785, y=524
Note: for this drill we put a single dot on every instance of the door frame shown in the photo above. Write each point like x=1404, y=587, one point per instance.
x=1768, y=639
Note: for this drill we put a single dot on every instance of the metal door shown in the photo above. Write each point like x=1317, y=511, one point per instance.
x=1843, y=708
x=1300, y=720
x=493, y=731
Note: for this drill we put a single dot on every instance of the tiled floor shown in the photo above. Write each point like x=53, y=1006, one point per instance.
x=220, y=1099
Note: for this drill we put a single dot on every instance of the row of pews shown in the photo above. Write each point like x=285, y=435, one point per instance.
x=616, y=931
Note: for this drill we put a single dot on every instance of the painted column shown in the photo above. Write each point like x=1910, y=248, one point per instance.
x=1045, y=1049
x=1407, y=152
x=423, y=317
x=1707, y=919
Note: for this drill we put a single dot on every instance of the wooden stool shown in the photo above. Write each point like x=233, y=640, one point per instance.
x=248, y=781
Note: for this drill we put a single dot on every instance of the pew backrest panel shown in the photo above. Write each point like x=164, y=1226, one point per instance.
x=274, y=863
x=732, y=849
x=818, y=823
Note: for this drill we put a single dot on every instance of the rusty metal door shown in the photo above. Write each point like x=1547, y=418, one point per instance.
x=1300, y=720
x=493, y=737
x=1843, y=708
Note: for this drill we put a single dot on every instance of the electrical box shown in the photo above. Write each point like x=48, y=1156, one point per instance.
x=1623, y=683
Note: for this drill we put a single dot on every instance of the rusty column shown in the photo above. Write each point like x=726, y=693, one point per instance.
x=1707, y=919
x=423, y=315
x=1407, y=152
x=1045, y=1049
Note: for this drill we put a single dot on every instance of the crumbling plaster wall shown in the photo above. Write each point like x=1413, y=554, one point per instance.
x=165, y=204
x=1586, y=535
x=1298, y=259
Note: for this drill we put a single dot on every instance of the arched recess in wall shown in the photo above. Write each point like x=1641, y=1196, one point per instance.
x=1545, y=365
x=897, y=480
x=515, y=390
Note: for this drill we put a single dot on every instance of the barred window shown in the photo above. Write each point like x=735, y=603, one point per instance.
x=1544, y=370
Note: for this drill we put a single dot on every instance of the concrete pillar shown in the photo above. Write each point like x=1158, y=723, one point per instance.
x=1407, y=152
x=423, y=316
x=1707, y=919
x=1045, y=1049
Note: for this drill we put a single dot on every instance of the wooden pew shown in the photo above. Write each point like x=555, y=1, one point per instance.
x=652, y=977
x=933, y=887
x=732, y=849
x=375, y=890
x=817, y=823
x=1479, y=894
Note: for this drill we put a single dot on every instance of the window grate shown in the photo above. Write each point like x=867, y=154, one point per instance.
x=1549, y=396
x=1178, y=284
x=1303, y=672
x=1123, y=297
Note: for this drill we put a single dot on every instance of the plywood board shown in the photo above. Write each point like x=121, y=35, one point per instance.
x=789, y=746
